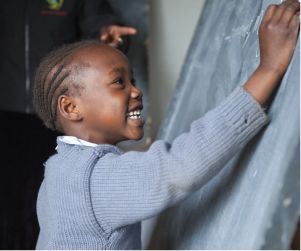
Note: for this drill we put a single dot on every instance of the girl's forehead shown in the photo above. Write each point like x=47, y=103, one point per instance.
x=105, y=57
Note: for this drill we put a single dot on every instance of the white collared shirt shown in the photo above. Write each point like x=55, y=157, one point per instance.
x=75, y=141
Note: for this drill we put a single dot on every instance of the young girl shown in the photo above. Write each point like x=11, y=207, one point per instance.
x=94, y=196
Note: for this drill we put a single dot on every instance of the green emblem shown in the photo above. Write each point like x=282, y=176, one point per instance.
x=55, y=4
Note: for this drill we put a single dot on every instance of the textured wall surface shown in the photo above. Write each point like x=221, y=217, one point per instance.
x=253, y=203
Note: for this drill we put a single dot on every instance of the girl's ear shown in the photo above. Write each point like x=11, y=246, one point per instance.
x=68, y=108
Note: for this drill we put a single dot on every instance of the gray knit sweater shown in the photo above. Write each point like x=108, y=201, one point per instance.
x=96, y=197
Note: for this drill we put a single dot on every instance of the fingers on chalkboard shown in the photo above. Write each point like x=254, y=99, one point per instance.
x=295, y=21
x=287, y=12
x=269, y=12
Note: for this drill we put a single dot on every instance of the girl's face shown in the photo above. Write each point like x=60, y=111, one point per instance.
x=110, y=103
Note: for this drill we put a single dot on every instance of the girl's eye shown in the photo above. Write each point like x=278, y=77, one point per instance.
x=133, y=81
x=119, y=81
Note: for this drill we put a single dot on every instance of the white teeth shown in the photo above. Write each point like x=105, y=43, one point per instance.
x=134, y=117
x=137, y=112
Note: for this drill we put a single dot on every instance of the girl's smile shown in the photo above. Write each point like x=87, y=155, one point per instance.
x=134, y=115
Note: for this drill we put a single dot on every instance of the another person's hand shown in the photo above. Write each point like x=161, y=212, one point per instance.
x=113, y=35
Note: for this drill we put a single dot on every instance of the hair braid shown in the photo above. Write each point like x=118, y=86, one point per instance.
x=55, y=76
x=58, y=83
x=60, y=57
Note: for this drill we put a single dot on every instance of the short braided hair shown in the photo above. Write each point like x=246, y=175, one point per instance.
x=58, y=73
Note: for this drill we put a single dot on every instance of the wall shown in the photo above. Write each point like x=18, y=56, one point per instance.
x=172, y=25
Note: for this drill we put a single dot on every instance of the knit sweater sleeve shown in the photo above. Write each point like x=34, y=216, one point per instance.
x=134, y=186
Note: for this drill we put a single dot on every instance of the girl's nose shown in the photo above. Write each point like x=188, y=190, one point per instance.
x=136, y=94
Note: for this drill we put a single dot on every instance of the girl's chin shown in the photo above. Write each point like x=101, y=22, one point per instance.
x=137, y=136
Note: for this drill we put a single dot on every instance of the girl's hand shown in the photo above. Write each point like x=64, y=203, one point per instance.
x=278, y=34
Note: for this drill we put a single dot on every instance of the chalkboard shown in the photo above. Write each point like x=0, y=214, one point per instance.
x=253, y=203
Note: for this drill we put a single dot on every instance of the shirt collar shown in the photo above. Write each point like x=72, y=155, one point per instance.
x=75, y=141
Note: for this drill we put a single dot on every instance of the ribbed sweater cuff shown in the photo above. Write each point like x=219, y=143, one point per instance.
x=243, y=113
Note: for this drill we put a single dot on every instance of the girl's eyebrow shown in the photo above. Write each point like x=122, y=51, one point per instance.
x=119, y=69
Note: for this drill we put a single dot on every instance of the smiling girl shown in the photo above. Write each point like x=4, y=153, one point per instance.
x=93, y=195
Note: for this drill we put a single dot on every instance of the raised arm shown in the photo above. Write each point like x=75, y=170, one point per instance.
x=128, y=188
